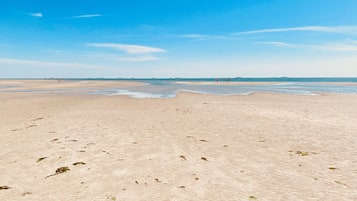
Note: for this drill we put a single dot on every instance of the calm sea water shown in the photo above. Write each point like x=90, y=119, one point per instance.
x=236, y=79
x=167, y=88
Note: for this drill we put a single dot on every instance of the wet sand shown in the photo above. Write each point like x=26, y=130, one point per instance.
x=231, y=83
x=65, y=84
x=192, y=147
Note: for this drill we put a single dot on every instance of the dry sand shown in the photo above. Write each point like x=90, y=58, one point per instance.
x=193, y=147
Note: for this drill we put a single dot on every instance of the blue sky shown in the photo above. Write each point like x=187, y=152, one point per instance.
x=178, y=38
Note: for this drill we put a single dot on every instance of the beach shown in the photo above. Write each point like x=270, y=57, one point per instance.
x=263, y=146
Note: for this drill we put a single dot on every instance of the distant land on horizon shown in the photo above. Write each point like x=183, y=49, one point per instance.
x=221, y=79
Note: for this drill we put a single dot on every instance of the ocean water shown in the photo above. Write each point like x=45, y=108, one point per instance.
x=4, y=86
x=168, y=88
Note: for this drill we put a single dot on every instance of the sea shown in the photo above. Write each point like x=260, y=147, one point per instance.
x=169, y=87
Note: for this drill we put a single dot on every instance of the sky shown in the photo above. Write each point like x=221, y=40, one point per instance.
x=178, y=38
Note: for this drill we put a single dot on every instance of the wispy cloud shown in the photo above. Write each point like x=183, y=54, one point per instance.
x=275, y=43
x=130, y=49
x=350, y=30
x=37, y=63
x=346, y=46
x=337, y=47
x=201, y=36
x=138, y=58
x=332, y=29
x=86, y=16
x=36, y=14
x=195, y=36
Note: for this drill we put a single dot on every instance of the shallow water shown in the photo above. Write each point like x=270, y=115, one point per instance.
x=167, y=89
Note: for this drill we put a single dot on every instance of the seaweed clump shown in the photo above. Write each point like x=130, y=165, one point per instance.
x=59, y=171
x=4, y=187
x=62, y=170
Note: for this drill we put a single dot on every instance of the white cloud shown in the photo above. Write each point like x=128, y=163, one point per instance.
x=36, y=63
x=275, y=43
x=201, y=36
x=336, y=29
x=137, y=59
x=131, y=49
x=347, y=46
x=86, y=16
x=337, y=47
x=36, y=14
x=195, y=36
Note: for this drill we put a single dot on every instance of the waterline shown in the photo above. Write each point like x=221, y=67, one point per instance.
x=156, y=88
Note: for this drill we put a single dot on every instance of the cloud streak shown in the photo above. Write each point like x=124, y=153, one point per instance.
x=336, y=29
x=36, y=14
x=130, y=49
x=275, y=43
x=201, y=36
x=348, y=46
x=137, y=58
x=349, y=30
x=86, y=16
x=337, y=47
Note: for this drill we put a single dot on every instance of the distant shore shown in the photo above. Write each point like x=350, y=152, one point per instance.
x=220, y=79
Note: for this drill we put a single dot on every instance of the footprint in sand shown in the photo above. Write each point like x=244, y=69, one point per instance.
x=26, y=193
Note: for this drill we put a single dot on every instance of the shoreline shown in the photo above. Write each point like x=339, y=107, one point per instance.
x=109, y=88
x=83, y=93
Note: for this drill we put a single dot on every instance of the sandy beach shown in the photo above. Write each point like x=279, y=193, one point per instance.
x=193, y=147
